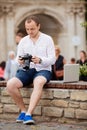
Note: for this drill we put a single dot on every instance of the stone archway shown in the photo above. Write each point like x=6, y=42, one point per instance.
x=49, y=25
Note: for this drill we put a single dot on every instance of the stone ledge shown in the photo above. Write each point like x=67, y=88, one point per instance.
x=55, y=84
x=62, y=104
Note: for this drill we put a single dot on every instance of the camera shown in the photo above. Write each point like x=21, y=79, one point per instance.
x=27, y=58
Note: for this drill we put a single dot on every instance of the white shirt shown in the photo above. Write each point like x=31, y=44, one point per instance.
x=42, y=48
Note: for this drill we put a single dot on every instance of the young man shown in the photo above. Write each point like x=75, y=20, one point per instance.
x=38, y=71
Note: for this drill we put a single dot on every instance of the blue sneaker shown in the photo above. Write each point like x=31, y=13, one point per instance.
x=28, y=120
x=21, y=117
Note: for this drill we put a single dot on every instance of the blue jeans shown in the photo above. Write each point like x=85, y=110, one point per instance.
x=27, y=77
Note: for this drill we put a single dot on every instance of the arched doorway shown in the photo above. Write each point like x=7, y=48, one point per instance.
x=49, y=25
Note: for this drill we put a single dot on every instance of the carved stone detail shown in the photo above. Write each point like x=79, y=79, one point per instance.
x=76, y=9
x=6, y=9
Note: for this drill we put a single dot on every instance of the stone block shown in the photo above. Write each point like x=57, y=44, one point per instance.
x=44, y=102
x=83, y=105
x=47, y=94
x=53, y=112
x=1, y=105
x=81, y=114
x=1, y=110
x=10, y=108
x=9, y=116
x=41, y=119
x=4, y=92
x=37, y=111
x=62, y=94
x=59, y=103
x=69, y=113
x=80, y=95
x=7, y=100
x=26, y=100
x=26, y=92
x=74, y=104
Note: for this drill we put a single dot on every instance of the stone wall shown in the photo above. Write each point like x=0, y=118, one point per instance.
x=62, y=105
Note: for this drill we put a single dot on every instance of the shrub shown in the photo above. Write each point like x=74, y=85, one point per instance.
x=83, y=70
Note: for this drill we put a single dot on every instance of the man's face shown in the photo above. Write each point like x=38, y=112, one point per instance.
x=32, y=29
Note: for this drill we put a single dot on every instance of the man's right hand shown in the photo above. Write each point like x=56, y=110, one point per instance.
x=21, y=61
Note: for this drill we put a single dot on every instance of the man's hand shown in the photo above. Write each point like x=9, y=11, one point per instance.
x=21, y=61
x=36, y=60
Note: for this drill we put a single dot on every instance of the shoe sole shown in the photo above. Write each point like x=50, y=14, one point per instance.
x=29, y=122
x=19, y=121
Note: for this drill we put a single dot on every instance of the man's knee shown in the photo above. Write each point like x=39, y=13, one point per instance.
x=12, y=84
x=40, y=81
x=9, y=86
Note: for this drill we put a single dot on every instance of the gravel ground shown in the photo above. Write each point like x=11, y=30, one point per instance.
x=7, y=125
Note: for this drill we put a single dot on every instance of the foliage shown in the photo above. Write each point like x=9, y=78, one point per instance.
x=83, y=70
x=84, y=24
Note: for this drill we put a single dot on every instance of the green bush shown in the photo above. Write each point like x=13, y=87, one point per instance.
x=83, y=70
x=84, y=24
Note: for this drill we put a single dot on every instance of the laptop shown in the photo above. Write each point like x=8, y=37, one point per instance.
x=71, y=74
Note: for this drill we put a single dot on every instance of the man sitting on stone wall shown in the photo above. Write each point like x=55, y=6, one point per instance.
x=39, y=48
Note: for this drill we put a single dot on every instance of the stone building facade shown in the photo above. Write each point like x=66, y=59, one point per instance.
x=59, y=18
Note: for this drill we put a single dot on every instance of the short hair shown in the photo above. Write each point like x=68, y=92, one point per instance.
x=3, y=64
x=20, y=34
x=73, y=59
x=34, y=18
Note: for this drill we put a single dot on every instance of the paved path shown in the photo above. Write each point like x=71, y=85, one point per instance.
x=41, y=126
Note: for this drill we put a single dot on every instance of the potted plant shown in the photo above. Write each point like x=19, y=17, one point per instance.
x=83, y=72
x=83, y=68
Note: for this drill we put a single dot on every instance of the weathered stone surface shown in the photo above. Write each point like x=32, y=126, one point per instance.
x=7, y=100
x=4, y=92
x=69, y=113
x=47, y=94
x=37, y=111
x=45, y=102
x=79, y=95
x=61, y=93
x=81, y=114
x=1, y=110
x=74, y=104
x=53, y=111
x=41, y=118
x=83, y=106
x=10, y=108
x=9, y=116
x=1, y=105
x=26, y=100
x=26, y=92
x=59, y=103
x=55, y=105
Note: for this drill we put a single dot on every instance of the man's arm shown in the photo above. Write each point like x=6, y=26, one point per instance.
x=51, y=58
